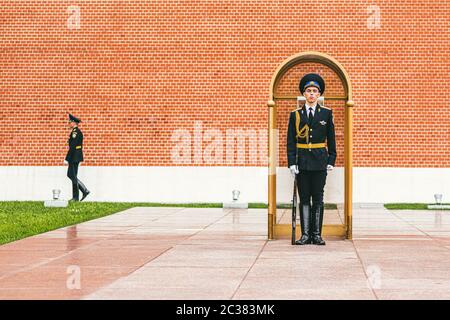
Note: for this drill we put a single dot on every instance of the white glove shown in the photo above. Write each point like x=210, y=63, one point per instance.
x=330, y=167
x=66, y=162
x=294, y=170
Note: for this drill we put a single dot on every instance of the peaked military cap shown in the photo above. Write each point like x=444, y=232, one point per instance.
x=74, y=119
x=312, y=80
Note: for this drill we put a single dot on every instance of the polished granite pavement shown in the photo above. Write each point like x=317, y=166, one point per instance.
x=214, y=253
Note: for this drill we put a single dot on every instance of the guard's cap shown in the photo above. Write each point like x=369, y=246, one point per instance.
x=74, y=119
x=312, y=80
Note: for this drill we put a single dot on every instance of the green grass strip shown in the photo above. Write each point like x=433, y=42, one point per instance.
x=409, y=206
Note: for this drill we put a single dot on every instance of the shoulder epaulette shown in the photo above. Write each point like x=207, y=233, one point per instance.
x=296, y=109
x=325, y=108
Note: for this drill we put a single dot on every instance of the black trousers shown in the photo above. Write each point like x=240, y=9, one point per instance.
x=310, y=185
x=77, y=185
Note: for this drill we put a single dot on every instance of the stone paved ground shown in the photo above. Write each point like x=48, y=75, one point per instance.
x=191, y=253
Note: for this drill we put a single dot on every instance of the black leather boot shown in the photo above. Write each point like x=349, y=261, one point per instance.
x=83, y=190
x=317, y=220
x=75, y=192
x=305, y=221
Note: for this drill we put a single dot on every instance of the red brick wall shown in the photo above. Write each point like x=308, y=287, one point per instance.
x=135, y=71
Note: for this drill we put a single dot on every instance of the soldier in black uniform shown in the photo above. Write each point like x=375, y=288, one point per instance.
x=74, y=157
x=310, y=131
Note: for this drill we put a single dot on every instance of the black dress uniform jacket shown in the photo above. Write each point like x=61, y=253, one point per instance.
x=75, y=153
x=320, y=130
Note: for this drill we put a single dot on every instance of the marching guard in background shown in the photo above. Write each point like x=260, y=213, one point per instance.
x=74, y=157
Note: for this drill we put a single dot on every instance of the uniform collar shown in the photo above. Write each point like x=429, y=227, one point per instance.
x=315, y=114
x=313, y=107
